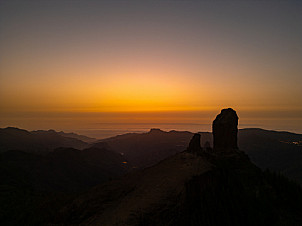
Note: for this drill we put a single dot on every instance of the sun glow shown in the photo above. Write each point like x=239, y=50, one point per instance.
x=176, y=60
x=143, y=93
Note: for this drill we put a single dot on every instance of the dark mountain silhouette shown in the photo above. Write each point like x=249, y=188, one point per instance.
x=146, y=149
x=203, y=185
x=36, y=141
x=64, y=169
x=45, y=170
x=277, y=151
x=33, y=186
x=218, y=186
x=77, y=136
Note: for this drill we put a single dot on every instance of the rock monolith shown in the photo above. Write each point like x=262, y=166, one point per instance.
x=225, y=130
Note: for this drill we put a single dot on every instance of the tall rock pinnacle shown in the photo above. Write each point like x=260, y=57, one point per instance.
x=225, y=130
x=194, y=146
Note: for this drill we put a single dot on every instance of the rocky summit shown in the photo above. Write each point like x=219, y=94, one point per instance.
x=225, y=130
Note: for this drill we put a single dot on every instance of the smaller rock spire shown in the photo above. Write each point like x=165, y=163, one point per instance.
x=194, y=146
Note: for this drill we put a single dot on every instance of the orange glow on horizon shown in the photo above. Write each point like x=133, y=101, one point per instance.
x=181, y=62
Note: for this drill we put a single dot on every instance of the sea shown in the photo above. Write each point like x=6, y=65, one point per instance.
x=106, y=130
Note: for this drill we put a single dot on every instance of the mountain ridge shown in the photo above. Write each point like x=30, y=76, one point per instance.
x=39, y=141
x=268, y=149
x=218, y=186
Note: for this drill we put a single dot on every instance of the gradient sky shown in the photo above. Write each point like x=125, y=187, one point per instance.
x=70, y=64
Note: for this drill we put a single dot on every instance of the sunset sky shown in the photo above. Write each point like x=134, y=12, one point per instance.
x=71, y=65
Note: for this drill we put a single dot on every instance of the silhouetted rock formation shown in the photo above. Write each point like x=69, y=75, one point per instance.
x=225, y=130
x=188, y=188
x=194, y=146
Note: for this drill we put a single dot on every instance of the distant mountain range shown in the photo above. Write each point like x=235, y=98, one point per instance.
x=191, y=188
x=215, y=185
x=39, y=141
x=277, y=151
x=41, y=171
x=77, y=136
x=147, y=149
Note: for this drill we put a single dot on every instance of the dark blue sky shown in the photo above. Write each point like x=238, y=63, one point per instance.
x=151, y=55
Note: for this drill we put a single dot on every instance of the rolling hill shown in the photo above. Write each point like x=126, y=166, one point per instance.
x=39, y=141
